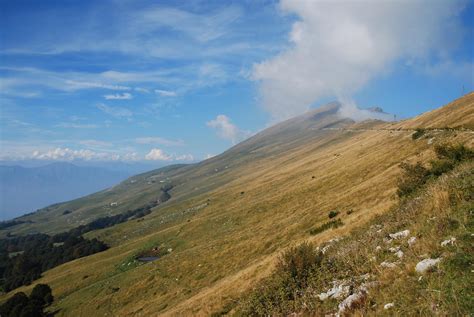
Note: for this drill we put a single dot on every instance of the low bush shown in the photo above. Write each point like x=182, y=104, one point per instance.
x=328, y=225
x=416, y=175
x=418, y=133
x=293, y=272
x=333, y=213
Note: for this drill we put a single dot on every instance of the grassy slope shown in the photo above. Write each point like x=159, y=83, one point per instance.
x=439, y=212
x=224, y=248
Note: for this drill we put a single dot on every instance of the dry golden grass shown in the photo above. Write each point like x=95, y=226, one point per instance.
x=224, y=249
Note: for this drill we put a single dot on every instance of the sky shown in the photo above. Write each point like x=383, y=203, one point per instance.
x=181, y=81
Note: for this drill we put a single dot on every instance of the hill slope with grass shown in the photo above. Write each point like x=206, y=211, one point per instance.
x=230, y=217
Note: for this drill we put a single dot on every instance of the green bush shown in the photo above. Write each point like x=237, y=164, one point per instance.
x=455, y=153
x=418, y=133
x=275, y=295
x=328, y=225
x=333, y=213
x=415, y=176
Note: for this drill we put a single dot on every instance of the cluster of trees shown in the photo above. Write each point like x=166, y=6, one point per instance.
x=11, y=223
x=24, y=258
x=20, y=305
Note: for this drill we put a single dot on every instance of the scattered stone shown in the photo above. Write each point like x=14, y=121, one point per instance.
x=399, y=235
x=450, y=241
x=411, y=241
x=338, y=290
x=378, y=248
x=388, y=306
x=426, y=265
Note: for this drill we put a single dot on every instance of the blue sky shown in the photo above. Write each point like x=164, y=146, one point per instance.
x=178, y=81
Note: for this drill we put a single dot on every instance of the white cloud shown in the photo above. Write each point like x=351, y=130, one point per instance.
x=158, y=155
x=339, y=46
x=67, y=154
x=117, y=112
x=124, y=96
x=226, y=129
x=159, y=140
x=166, y=93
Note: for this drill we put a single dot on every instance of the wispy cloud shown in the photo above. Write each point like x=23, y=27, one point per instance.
x=95, y=143
x=73, y=125
x=117, y=112
x=124, y=96
x=159, y=140
x=166, y=93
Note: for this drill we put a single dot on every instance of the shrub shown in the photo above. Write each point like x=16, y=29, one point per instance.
x=330, y=224
x=418, y=133
x=441, y=166
x=333, y=213
x=413, y=177
x=274, y=296
x=456, y=153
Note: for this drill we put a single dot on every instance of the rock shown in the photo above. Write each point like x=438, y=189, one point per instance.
x=411, y=241
x=399, y=235
x=450, y=241
x=339, y=289
x=388, y=306
x=426, y=264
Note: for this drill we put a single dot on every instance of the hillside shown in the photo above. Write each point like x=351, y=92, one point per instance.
x=230, y=217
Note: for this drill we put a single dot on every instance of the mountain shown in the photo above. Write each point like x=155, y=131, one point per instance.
x=24, y=190
x=313, y=178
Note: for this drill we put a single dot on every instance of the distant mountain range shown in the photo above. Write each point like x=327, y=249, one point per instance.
x=25, y=189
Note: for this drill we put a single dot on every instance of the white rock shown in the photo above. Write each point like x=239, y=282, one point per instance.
x=388, y=306
x=426, y=264
x=411, y=241
x=396, y=249
x=378, y=248
x=449, y=241
x=401, y=234
x=338, y=290
x=350, y=300
x=388, y=264
x=399, y=253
